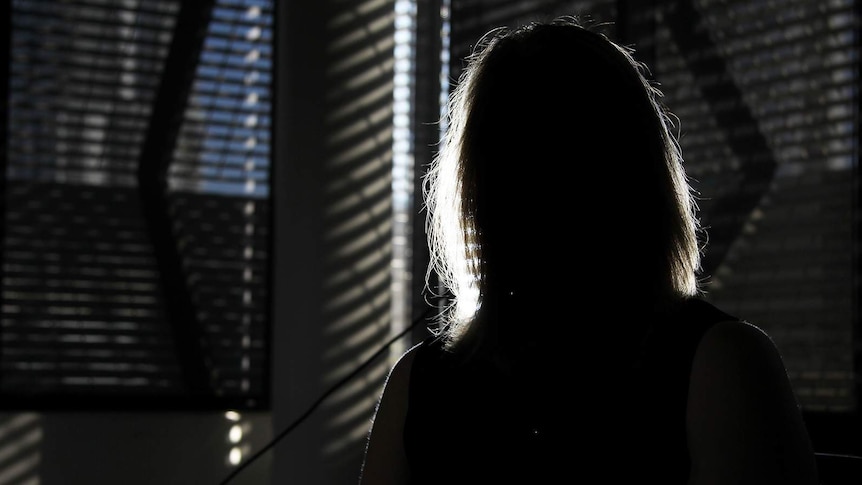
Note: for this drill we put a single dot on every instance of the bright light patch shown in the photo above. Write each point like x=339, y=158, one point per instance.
x=235, y=433
x=235, y=455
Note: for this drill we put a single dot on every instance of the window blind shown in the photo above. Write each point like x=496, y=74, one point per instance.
x=766, y=94
x=136, y=235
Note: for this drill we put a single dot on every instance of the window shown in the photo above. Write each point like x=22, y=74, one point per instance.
x=136, y=205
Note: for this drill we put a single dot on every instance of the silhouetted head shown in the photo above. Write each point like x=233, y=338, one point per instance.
x=558, y=182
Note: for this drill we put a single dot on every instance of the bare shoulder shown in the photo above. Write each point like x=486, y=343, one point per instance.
x=385, y=462
x=399, y=375
x=739, y=345
x=397, y=385
x=744, y=422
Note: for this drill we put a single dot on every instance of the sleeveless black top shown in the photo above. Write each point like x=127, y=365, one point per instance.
x=471, y=423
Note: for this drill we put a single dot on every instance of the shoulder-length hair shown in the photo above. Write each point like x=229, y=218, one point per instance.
x=554, y=129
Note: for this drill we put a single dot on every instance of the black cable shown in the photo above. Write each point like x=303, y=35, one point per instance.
x=323, y=397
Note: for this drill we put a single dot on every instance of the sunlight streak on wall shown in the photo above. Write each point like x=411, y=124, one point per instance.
x=20, y=439
x=402, y=170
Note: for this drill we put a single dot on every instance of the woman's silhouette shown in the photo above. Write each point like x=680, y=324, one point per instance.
x=579, y=345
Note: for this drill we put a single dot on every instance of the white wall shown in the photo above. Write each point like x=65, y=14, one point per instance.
x=333, y=216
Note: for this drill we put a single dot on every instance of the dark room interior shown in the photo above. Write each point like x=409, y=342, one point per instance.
x=213, y=241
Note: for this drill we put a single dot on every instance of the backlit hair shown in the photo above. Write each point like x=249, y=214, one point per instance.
x=542, y=117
